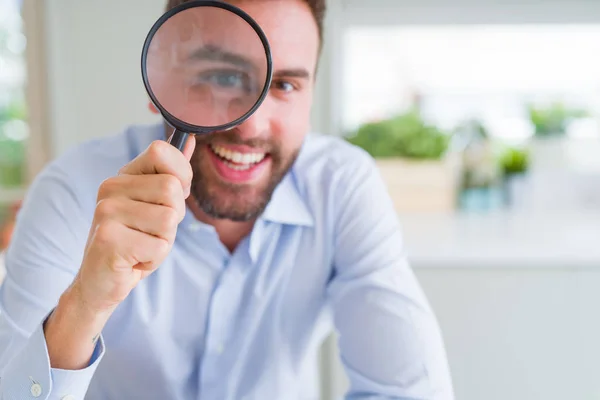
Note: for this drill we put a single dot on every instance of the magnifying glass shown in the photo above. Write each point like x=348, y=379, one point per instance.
x=206, y=66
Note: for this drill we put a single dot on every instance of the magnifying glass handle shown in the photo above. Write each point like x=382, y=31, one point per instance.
x=178, y=139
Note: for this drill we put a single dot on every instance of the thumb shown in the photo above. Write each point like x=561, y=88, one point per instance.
x=190, y=145
x=188, y=151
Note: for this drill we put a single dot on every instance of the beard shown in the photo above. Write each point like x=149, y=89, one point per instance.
x=236, y=202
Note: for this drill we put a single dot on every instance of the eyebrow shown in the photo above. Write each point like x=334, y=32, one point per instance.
x=292, y=73
x=214, y=53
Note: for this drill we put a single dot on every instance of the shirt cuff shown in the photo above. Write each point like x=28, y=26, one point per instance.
x=76, y=382
x=29, y=376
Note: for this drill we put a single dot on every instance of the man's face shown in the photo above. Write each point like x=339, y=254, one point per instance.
x=236, y=171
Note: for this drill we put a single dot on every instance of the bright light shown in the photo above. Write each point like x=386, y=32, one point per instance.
x=462, y=72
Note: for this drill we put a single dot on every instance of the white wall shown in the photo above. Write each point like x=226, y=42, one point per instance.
x=327, y=98
x=93, y=67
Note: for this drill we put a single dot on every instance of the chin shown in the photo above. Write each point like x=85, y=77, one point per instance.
x=234, y=202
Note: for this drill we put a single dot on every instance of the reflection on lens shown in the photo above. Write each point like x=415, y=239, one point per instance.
x=206, y=66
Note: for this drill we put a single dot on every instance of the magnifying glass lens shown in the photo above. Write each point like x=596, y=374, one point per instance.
x=206, y=66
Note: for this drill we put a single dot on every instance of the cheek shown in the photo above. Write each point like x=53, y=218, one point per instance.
x=292, y=122
x=200, y=156
x=290, y=130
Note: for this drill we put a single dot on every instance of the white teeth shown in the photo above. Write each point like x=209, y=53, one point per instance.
x=238, y=158
x=237, y=167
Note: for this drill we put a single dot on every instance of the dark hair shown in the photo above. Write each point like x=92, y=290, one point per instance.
x=317, y=7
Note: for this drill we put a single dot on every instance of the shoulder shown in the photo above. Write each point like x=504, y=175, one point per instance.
x=80, y=170
x=330, y=158
x=105, y=155
x=330, y=171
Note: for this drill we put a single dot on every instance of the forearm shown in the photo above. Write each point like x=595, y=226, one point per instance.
x=72, y=331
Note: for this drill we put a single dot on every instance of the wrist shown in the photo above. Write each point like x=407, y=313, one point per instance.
x=75, y=300
x=72, y=331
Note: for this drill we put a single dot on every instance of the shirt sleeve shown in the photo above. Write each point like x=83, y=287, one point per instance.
x=28, y=375
x=43, y=258
x=389, y=339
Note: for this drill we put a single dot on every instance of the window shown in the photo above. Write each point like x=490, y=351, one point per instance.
x=13, y=125
x=533, y=87
x=487, y=72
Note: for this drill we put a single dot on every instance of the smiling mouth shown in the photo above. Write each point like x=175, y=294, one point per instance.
x=236, y=160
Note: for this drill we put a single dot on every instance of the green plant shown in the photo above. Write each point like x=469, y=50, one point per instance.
x=15, y=110
x=552, y=119
x=12, y=149
x=406, y=135
x=514, y=161
x=13, y=127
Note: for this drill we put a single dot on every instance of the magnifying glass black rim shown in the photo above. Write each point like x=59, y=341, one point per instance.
x=171, y=119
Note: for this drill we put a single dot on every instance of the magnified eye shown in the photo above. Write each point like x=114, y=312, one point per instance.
x=225, y=79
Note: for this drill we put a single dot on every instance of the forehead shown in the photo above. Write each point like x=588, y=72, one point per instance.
x=290, y=29
x=289, y=26
x=197, y=28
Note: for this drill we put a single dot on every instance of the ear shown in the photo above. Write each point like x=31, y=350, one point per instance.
x=152, y=108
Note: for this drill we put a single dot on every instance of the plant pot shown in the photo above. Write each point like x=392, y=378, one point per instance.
x=517, y=189
x=481, y=199
x=421, y=185
x=549, y=153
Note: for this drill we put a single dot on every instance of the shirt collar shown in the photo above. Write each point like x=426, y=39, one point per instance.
x=287, y=205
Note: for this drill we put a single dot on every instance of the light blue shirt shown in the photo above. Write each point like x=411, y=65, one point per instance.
x=327, y=253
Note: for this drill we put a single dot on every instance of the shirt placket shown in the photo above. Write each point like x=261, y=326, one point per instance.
x=224, y=306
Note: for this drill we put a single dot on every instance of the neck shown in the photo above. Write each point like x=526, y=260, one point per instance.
x=230, y=232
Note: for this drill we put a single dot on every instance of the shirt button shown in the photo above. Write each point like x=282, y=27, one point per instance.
x=36, y=390
x=68, y=397
x=194, y=227
x=220, y=349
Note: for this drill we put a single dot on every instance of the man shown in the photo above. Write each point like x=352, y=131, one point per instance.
x=140, y=272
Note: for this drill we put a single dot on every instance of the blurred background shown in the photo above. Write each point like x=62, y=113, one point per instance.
x=484, y=118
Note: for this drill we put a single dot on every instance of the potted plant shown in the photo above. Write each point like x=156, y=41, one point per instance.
x=514, y=162
x=414, y=161
x=549, y=143
x=552, y=120
x=480, y=183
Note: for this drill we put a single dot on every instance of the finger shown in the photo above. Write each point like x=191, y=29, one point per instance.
x=152, y=219
x=161, y=158
x=122, y=248
x=160, y=189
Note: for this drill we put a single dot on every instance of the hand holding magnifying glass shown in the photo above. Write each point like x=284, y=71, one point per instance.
x=207, y=67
